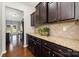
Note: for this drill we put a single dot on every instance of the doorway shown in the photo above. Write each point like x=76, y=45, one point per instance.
x=14, y=29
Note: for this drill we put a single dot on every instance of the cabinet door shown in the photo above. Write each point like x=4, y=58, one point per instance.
x=43, y=12
x=28, y=41
x=52, y=11
x=66, y=10
x=32, y=46
x=35, y=20
x=32, y=19
x=77, y=10
x=37, y=15
x=46, y=52
x=38, y=49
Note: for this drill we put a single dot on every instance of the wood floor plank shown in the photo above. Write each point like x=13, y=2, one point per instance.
x=17, y=50
x=21, y=52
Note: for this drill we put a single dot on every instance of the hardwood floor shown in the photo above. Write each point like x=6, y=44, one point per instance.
x=20, y=52
x=16, y=49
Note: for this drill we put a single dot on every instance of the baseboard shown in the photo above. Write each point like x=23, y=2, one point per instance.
x=3, y=52
x=25, y=46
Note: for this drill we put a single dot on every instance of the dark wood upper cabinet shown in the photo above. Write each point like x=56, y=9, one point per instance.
x=43, y=12
x=58, y=11
x=35, y=20
x=52, y=11
x=32, y=19
x=65, y=10
x=77, y=10
x=37, y=15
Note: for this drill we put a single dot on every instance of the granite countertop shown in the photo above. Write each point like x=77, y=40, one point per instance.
x=70, y=43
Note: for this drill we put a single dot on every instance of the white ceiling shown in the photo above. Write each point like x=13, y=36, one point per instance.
x=16, y=15
x=13, y=14
x=31, y=4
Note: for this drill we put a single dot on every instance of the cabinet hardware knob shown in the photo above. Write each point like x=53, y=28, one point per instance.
x=45, y=43
x=49, y=52
x=53, y=55
x=60, y=50
x=70, y=50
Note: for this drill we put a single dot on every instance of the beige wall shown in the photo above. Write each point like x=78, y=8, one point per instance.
x=67, y=29
x=0, y=28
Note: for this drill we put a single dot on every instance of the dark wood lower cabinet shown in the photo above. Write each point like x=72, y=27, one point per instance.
x=38, y=50
x=56, y=54
x=46, y=52
x=42, y=48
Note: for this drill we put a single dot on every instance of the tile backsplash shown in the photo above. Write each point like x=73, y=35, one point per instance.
x=67, y=30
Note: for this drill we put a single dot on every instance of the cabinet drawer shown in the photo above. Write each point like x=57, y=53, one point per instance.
x=75, y=54
x=60, y=49
x=55, y=47
x=56, y=54
x=45, y=43
x=37, y=39
x=46, y=52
